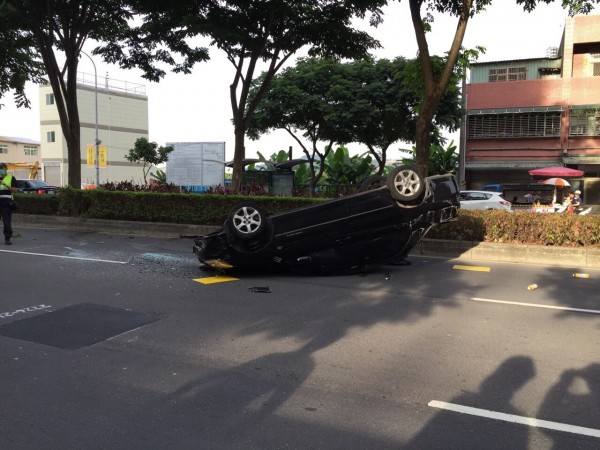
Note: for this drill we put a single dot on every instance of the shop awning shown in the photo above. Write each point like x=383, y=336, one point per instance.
x=473, y=112
x=583, y=107
x=581, y=159
x=556, y=171
x=515, y=165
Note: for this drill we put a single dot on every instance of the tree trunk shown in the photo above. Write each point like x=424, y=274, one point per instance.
x=238, y=158
x=434, y=89
x=65, y=96
x=73, y=126
x=422, y=142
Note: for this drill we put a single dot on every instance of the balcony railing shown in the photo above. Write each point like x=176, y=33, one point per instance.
x=110, y=84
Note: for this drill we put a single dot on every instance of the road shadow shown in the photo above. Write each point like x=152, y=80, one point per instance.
x=573, y=400
x=254, y=390
x=453, y=430
x=250, y=394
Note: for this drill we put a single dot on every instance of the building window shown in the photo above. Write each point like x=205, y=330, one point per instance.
x=517, y=73
x=596, y=69
x=49, y=99
x=549, y=72
x=514, y=125
x=584, y=122
x=50, y=137
x=507, y=74
x=4, y=149
x=30, y=150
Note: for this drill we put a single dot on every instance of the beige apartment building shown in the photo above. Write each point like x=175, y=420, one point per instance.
x=122, y=117
x=21, y=155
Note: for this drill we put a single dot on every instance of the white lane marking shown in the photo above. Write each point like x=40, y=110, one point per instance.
x=5, y=315
x=64, y=257
x=530, y=421
x=535, y=305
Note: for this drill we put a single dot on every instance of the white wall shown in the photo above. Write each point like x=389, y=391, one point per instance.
x=122, y=118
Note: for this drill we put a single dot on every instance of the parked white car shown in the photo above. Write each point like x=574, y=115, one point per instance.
x=483, y=200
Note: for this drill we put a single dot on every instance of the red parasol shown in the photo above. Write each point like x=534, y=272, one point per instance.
x=557, y=171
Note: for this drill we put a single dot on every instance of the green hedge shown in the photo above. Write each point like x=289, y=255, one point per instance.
x=202, y=209
x=208, y=209
x=522, y=227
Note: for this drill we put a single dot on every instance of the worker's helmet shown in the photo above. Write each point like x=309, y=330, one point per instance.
x=578, y=192
x=2, y=165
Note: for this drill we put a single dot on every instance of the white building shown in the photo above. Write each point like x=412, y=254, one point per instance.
x=122, y=118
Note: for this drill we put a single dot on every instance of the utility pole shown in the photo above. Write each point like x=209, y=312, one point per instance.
x=97, y=141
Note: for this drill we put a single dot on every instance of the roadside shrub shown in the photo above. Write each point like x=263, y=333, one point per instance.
x=212, y=208
x=128, y=186
x=521, y=227
x=251, y=189
x=467, y=227
x=72, y=202
x=42, y=204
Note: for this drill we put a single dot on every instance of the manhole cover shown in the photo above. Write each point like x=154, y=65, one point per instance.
x=77, y=326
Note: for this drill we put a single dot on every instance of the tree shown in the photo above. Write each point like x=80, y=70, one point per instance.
x=341, y=168
x=440, y=160
x=57, y=31
x=19, y=63
x=254, y=32
x=379, y=102
x=376, y=107
x=273, y=31
x=274, y=159
x=435, y=86
x=299, y=100
x=368, y=102
x=149, y=154
x=63, y=26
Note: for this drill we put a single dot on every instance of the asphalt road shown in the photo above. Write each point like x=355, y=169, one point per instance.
x=114, y=342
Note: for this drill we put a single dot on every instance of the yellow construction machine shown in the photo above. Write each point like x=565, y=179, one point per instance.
x=32, y=167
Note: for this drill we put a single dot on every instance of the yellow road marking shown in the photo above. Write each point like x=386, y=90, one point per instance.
x=217, y=279
x=472, y=268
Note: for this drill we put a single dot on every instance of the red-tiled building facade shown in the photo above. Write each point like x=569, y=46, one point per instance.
x=532, y=113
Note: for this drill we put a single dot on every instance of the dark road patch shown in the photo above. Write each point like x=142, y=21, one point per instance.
x=77, y=326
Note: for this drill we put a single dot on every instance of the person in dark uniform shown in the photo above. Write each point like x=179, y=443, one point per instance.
x=7, y=187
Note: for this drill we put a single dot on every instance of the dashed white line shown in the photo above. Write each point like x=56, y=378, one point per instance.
x=64, y=257
x=530, y=421
x=536, y=305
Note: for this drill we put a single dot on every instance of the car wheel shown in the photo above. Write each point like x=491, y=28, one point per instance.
x=405, y=184
x=246, y=221
x=372, y=182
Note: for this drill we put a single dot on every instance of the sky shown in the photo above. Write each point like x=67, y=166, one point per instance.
x=196, y=107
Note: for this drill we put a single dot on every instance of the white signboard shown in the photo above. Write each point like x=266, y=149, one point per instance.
x=196, y=164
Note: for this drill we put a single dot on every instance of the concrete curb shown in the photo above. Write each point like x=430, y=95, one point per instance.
x=156, y=229
x=514, y=253
x=475, y=251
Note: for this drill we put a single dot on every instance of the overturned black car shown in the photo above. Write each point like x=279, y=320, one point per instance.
x=376, y=226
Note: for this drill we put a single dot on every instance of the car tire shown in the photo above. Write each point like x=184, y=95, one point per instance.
x=405, y=184
x=372, y=182
x=247, y=221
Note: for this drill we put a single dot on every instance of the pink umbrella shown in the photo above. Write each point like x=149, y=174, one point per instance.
x=557, y=171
